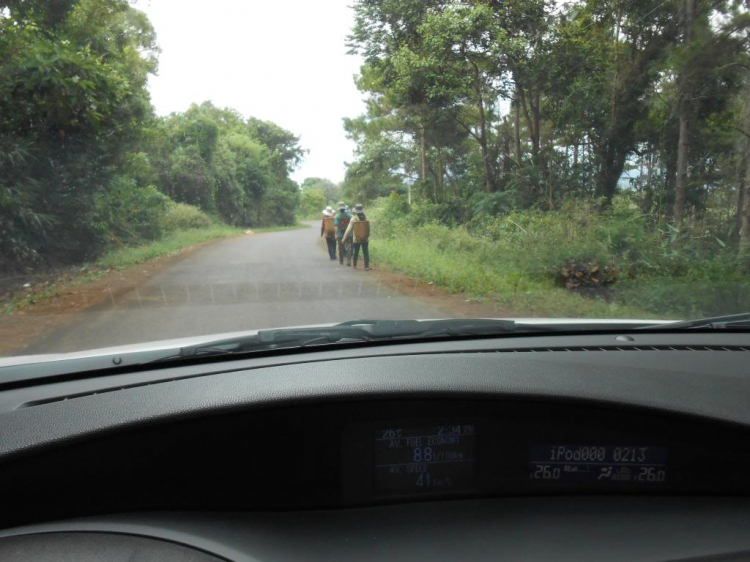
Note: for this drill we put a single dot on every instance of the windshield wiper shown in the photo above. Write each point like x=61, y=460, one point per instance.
x=355, y=331
x=268, y=340
x=727, y=322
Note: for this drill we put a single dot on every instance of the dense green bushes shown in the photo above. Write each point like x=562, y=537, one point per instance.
x=181, y=216
x=84, y=162
x=517, y=258
x=127, y=214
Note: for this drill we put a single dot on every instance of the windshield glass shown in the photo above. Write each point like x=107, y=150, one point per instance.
x=200, y=170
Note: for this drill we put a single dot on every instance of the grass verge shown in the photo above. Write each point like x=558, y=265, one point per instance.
x=513, y=294
x=171, y=244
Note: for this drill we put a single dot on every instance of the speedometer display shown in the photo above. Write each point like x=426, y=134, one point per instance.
x=586, y=464
x=423, y=460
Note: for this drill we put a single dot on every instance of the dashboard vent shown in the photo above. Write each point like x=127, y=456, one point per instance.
x=629, y=348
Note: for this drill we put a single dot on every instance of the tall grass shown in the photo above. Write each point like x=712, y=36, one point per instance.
x=515, y=260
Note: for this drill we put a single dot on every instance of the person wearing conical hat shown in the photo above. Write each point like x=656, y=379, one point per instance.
x=329, y=234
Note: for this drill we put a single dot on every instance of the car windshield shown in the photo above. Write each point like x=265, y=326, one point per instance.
x=173, y=170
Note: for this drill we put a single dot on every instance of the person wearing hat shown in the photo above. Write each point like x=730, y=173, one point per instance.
x=361, y=241
x=330, y=236
x=342, y=222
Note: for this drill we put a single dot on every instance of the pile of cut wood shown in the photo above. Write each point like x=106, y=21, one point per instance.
x=585, y=274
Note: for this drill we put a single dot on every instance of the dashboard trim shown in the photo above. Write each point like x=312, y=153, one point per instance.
x=668, y=381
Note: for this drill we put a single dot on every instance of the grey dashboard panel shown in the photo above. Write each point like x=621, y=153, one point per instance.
x=571, y=528
x=713, y=384
x=96, y=547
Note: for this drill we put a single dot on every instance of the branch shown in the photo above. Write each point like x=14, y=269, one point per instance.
x=467, y=129
x=741, y=130
x=526, y=115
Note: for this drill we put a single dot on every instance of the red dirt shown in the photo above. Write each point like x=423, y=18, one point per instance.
x=26, y=325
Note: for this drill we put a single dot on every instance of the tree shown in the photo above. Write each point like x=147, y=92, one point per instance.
x=73, y=107
x=331, y=191
x=312, y=202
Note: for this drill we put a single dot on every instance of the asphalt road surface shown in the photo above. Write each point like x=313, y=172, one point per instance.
x=268, y=280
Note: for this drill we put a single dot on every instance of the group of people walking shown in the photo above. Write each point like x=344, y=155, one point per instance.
x=346, y=232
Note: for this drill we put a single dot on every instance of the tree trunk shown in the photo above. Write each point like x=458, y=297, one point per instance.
x=648, y=204
x=670, y=180
x=486, y=164
x=683, y=144
x=743, y=255
x=506, y=155
x=441, y=174
x=517, y=127
x=423, y=157
x=530, y=124
x=611, y=161
x=742, y=171
x=537, y=121
x=741, y=195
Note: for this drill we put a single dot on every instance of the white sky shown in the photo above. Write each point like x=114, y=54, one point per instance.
x=280, y=60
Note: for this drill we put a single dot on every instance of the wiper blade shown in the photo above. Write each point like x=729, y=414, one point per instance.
x=448, y=327
x=353, y=331
x=739, y=321
x=269, y=340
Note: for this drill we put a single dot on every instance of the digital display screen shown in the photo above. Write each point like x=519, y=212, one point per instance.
x=423, y=460
x=586, y=464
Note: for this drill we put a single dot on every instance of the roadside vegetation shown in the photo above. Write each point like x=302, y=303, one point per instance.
x=575, y=261
x=85, y=164
x=578, y=158
x=315, y=195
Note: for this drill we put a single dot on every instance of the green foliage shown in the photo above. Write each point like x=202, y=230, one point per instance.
x=214, y=159
x=331, y=191
x=126, y=213
x=486, y=107
x=84, y=163
x=181, y=216
x=312, y=202
x=516, y=259
x=394, y=206
x=73, y=105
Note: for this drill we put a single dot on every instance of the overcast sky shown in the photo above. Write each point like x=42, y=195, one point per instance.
x=279, y=60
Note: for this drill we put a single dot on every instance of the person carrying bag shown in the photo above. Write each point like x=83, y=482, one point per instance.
x=328, y=229
x=342, y=223
x=359, y=231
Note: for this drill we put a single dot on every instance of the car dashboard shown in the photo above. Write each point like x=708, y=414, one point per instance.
x=555, y=447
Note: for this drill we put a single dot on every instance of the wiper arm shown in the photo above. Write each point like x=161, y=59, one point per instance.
x=350, y=332
x=268, y=340
x=728, y=322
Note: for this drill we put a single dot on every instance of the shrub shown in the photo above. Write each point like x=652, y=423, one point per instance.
x=181, y=216
x=394, y=206
x=129, y=214
x=646, y=269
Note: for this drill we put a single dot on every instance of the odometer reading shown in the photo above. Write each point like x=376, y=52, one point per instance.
x=421, y=460
x=582, y=464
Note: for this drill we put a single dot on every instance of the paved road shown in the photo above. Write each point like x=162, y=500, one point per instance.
x=258, y=281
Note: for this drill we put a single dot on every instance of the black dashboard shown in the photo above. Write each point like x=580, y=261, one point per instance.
x=391, y=446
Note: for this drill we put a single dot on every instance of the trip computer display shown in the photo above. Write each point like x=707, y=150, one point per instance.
x=424, y=459
x=590, y=464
